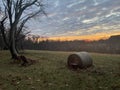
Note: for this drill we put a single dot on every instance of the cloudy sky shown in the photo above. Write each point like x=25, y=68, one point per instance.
x=79, y=19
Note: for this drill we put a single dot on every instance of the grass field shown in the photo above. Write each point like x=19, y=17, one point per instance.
x=51, y=73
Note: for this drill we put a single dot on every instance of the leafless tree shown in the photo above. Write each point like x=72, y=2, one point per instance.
x=14, y=14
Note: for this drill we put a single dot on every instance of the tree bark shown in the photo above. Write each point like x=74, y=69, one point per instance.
x=13, y=52
x=12, y=47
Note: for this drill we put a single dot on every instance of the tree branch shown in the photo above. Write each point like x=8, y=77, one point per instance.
x=2, y=28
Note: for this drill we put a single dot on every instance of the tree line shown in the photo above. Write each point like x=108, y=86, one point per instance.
x=111, y=45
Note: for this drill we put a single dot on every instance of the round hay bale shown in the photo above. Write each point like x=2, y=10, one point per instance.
x=79, y=60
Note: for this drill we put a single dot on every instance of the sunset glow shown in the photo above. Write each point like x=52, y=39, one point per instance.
x=94, y=37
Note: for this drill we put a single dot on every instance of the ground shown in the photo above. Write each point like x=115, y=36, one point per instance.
x=51, y=72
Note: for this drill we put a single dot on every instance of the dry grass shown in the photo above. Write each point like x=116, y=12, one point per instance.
x=51, y=73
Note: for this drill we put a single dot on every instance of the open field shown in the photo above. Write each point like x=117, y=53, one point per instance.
x=51, y=73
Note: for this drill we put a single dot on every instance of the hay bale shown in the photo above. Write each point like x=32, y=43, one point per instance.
x=79, y=60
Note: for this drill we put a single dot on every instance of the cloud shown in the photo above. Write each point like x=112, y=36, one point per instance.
x=98, y=29
x=73, y=33
x=113, y=14
x=56, y=3
x=103, y=29
x=92, y=20
x=66, y=18
x=75, y=3
x=82, y=8
x=98, y=2
x=52, y=14
x=96, y=36
x=95, y=3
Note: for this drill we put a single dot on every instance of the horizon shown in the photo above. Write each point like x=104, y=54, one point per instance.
x=87, y=38
x=95, y=37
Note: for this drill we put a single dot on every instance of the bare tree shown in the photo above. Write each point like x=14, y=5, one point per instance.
x=15, y=14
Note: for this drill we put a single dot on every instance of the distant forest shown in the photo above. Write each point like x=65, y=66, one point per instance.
x=111, y=45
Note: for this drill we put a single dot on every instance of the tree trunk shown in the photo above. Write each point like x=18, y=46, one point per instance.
x=12, y=47
x=13, y=51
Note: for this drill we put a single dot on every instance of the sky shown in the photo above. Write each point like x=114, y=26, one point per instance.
x=78, y=19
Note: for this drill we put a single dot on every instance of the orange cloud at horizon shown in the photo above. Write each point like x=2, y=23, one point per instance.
x=94, y=37
x=71, y=38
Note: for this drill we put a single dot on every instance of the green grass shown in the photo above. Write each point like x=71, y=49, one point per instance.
x=51, y=73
